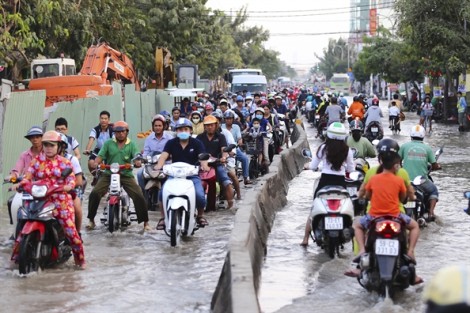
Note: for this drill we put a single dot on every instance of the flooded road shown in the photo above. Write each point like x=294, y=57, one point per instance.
x=295, y=279
x=126, y=272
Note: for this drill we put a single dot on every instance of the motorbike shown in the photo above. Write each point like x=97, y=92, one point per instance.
x=395, y=124
x=354, y=182
x=279, y=134
x=322, y=127
x=466, y=195
x=154, y=180
x=117, y=214
x=179, y=200
x=42, y=241
x=256, y=168
x=373, y=131
x=385, y=267
x=419, y=209
x=331, y=215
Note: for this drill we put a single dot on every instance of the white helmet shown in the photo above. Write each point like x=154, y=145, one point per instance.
x=337, y=131
x=341, y=94
x=418, y=131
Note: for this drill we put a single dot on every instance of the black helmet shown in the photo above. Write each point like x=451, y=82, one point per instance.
x=386, y=146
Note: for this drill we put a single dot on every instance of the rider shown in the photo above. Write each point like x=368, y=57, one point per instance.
x=334, y=112
x=196, y=120
x=337, y=160
x=214, y=142
x=186, y=149
x=362, y=145
x=385, y=190
x=394, y=115
x=61, y=126
x=356, y=109
x=426, y=110
x=237, y=136
x=119, y=150
x=175, y=117
x=80, y=182
x=155, y=142
x=374, y=114
x=100, y=134
x=416, y=156
x=49, y=166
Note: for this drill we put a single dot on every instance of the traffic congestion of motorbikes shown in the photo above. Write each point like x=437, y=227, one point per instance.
x=197, y=157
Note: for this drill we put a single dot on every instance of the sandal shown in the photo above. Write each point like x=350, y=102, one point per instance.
x=91, y=225
x=161, y=224
x=201, y=221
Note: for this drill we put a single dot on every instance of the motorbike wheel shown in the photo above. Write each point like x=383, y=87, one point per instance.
x=113, y=218
x=253, y=169
x=152, y=199
x=271, y=151
x=331, y=247
x=28, y=258
x=175, y=228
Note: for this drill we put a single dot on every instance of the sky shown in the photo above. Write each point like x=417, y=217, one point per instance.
x=288, y=20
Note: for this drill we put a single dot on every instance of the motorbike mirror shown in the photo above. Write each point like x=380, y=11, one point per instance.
x=356, y=176
x=203, y=156
x=375, y=142
x=306, y=153
x=229, y=147
x=66, y=172
x=439, y=151
x=418, y=180
x=156, y=153
x=466, y=194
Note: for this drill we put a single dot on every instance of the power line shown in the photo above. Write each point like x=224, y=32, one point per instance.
x=319, y=34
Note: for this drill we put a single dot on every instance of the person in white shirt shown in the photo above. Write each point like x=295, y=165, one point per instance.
x=394, y=114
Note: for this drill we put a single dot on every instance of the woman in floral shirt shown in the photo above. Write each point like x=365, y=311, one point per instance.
x=49, y=166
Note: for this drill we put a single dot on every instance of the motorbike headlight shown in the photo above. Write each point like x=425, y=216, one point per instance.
x=38, y=191
x=114, y=168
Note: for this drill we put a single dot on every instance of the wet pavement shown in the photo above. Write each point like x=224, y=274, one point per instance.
x=295, y=279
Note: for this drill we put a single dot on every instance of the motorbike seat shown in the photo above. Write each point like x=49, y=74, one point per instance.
x=333, y=189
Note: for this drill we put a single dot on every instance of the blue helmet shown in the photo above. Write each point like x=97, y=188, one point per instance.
x=183, y=122
x=239, y=98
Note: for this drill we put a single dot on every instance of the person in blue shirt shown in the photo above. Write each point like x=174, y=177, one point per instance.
x=279, y=106
x=461, y=109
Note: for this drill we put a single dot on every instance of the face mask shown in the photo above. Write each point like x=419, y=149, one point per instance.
x=356, y=136
x=259, y=116
x=255, y=126
x=183, y=135
x=196, y=120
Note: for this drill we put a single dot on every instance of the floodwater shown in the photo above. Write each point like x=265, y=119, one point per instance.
x=295, y=279
x=129, y=271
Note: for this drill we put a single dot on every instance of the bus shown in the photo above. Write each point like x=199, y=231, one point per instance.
x=242, y=71
x=339, y=82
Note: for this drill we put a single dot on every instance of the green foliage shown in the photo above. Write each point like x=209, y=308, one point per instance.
x=334, y=59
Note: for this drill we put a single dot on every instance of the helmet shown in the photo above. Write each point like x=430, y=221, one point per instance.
x=160, y=118
x=64, y=140
x=218, y=115
x=356, y=125
x=387, y=145
x=341, y=94
x=448, y=290
x=208, y=106
x=336, y=131
x=259, y=109
x=183, y=122
x=248, y=97
x=223, y=100
x=120, y=126
x=355, y=98
x=34, y=131
x=210, y=119
x=165, y=113
x=375, y=101
x=229, y=114
x=239, y=98
x=175, y=109
x=51, y=136
x=196, y=113
x=417, y=131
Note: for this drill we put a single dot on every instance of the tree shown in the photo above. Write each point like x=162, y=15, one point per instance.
x=334, y=59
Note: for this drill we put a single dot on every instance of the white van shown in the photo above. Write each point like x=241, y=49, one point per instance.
x=250, y=83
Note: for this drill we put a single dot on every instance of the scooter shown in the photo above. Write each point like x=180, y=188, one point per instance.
x=354, y=182
x=42, y=240
x=117, y=214
x=179, y=200
x=419, y=209
x=331, y=216
x=373, y=131
x=466, y=195
x=385, y=268
x=154, y=180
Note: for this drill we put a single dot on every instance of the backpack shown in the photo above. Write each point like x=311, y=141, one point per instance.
x=98, y=130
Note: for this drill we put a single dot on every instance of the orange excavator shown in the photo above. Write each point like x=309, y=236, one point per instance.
x=102, y=66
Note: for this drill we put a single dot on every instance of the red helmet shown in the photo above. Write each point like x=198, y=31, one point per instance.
x=120, y=126
x=51, y=136
x=158, y=117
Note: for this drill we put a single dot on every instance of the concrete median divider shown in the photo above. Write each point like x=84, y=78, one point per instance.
x=237, y=289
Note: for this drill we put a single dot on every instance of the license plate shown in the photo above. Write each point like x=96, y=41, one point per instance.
x=374, y=129
x=386, y=247
x=27, y=196
x=352, y=191
x=410, y=205
x=333, y=223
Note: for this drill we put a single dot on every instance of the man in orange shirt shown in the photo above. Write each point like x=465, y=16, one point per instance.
x=356, y=110
x=385, y=190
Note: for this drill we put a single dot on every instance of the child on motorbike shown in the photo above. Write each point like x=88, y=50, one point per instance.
x=385, y=190
x=337, y=159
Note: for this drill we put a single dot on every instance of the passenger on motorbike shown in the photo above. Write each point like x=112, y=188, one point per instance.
x=175, y=117
x=237, y=136
x=185, y=149
x=155, y=142
x=343, y=102
x=214, y=142
x=337, y=160
x=80, y=182
x=196, y=120
x=363, y=146
x=416, y=157
x=385, y=191
x=119, y=150
x=100, y=134
x=356, y=110
x=49, y=166
x=61, y=126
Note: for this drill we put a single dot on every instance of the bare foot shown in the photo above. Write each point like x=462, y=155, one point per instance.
x=304, y=243
x=354, y=272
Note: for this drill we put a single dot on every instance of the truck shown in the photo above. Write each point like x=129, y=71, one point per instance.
x=101, y=66
x=340, y=82
x=241, y=71
x=250, y=83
